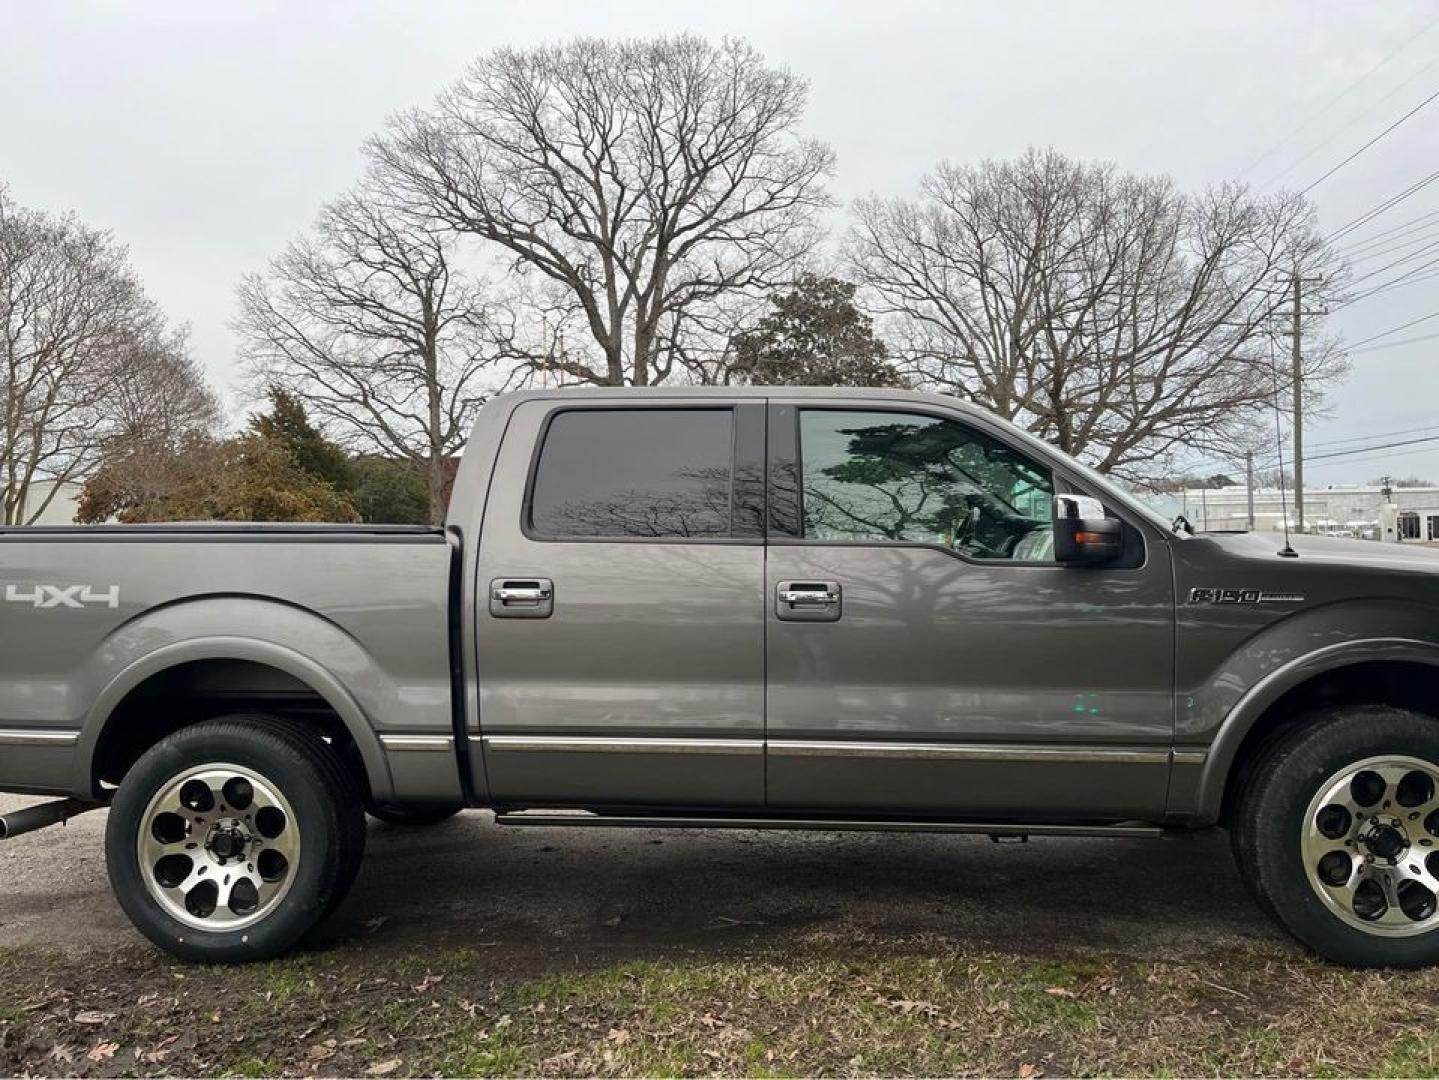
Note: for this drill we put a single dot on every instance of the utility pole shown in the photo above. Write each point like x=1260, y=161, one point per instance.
x=1298, y=413
x=1297, y=284
x=1249, y=484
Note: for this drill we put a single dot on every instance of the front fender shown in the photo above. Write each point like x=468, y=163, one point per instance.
x=1215, y=716
x=297, y=642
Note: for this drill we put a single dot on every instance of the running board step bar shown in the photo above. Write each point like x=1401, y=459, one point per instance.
x=532, y=818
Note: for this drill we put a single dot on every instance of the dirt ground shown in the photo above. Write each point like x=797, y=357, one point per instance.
x=471, y=948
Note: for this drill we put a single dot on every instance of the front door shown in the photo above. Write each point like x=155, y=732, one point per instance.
x=621, y=617
x=925, y=653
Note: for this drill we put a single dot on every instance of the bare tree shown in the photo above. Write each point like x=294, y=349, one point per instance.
x=646, y=178
x=78, y=340
x=1113, y=315
x=163, y=421
x=375, y=328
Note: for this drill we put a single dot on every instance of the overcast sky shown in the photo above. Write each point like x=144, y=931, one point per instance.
x=208, y=135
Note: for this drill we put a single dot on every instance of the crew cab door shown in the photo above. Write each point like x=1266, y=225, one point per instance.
x=925, y=653
x=620, y=621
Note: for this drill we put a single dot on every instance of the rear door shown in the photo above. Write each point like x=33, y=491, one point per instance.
x=621, y=623
x=926, y=655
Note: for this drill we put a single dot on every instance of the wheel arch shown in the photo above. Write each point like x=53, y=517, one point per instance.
x=281, y=669
x=1394, y=671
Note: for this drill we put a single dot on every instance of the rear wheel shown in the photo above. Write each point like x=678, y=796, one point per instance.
x=228, y=840
x=412, y=814
x=1338, y=833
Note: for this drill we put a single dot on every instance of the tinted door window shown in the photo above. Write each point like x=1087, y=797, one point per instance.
x=889, y=476
x=655, y=473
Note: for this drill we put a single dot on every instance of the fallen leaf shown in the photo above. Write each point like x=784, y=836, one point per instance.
x=1060, y=991
x=384, y=1068
x=92, y=1016
x=103, y=1051
x=160, y=1051
x=1026, y=1071
x=618, y=1036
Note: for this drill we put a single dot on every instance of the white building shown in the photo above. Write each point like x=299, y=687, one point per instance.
x=62, y=508
x=1344, y=510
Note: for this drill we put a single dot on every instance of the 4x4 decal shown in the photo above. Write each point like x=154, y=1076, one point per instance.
x=62, y=596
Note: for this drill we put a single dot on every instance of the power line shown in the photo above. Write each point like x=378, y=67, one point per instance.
x=1370, y=143
x=1336, y=99
x=1350, y=249
x=1385, y=206
x=1375, y=435
x=1367, y=449
x=1393, y=344
x=1360, y=460
x=1358, y=453
x=1416, y=236
x=1395, y=329
x=1406, y=278
x=1418, y=253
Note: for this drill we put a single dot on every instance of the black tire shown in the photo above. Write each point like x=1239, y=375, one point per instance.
x=1270, y=818
x=326, y=805
x=413, y=815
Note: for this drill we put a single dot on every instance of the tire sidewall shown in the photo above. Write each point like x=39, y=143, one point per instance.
x=316, y=818
x=1276, y=822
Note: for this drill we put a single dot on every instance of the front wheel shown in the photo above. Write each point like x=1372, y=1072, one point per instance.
x=1338, y=834
x=229, y=840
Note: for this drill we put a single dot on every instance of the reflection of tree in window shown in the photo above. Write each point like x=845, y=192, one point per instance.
x=702, y=508
x=891, y=476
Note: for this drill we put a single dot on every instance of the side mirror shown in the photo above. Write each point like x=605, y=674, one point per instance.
x=1083, y=536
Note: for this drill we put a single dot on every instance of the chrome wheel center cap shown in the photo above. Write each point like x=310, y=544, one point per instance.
x=228, y=841
x=1384, y=839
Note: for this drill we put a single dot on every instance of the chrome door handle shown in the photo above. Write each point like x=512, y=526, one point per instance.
x=508, y=595
x=808, y=601
x=808, y=596
x=522, y=598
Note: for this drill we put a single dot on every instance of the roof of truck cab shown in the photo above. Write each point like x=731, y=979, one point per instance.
x=830, y=393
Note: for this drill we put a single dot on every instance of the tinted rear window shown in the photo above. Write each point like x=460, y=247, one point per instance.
x=657, y=473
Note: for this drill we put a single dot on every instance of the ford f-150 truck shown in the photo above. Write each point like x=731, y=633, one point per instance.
x=754, y=608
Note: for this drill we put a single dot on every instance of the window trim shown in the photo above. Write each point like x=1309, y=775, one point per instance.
x=785, y=436
x=742, y=447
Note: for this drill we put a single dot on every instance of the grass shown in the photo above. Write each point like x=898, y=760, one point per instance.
x=812, y=1004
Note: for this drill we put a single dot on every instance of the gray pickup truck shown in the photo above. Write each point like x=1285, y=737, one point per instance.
x=745, y=608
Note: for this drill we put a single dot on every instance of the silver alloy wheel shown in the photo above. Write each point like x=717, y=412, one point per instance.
x=1370, y=844
x=219, y=847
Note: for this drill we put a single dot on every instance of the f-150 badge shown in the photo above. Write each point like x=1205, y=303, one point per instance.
x=1242, y=596
x=62, y=596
